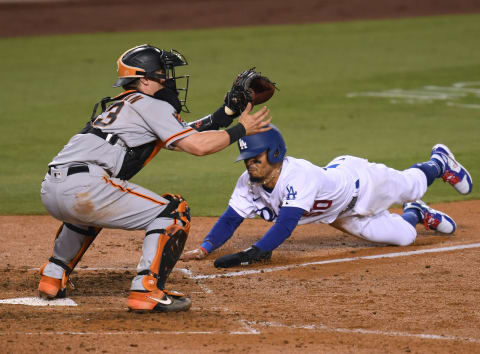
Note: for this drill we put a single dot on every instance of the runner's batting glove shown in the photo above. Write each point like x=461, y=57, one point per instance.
x=249, y=256
x=196, y=254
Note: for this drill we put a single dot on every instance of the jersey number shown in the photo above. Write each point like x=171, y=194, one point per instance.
x=319, y=207
x=113, y=112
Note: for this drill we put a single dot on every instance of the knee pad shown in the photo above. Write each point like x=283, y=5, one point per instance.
x=178, y=210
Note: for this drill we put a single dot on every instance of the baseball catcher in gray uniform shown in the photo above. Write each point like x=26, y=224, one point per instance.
x=86, y=186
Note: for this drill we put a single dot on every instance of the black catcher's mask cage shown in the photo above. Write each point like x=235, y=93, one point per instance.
x=179, y=84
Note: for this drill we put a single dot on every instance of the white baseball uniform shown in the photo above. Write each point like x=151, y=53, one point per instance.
x=350, y=193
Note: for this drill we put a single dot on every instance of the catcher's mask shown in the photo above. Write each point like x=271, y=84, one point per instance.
x=144, y=60
x=270, y=141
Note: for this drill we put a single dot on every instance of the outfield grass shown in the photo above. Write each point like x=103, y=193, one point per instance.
x=51, y=83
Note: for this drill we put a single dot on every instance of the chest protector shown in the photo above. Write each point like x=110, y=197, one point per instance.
x=135, y=157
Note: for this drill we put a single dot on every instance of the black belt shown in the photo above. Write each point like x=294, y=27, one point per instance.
x=72, y=170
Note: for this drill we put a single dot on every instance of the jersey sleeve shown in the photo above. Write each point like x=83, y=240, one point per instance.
x=241, y=200
x=164, y=122
x=299, y=189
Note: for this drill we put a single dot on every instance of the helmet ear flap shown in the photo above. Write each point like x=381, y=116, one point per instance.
x=273, y=154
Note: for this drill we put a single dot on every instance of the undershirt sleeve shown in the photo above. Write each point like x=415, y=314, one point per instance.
x=286, y=222
x=223, y=230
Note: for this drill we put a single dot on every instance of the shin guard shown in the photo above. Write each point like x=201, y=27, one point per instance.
x=51, y=286
x=170, y=246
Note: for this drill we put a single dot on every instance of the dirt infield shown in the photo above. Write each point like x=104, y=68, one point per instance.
x=313, y=296
x=21, y=18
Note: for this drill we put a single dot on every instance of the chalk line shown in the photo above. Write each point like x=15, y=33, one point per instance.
x=321, y=327
x=189, y=274
x=338, y=260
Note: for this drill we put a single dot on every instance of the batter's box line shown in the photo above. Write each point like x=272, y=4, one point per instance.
x=321, y=327
x=330, y=261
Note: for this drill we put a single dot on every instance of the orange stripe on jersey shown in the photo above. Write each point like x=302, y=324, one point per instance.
x=178, y=134
x=128, y=190
x=134, y=99
x=159, y=144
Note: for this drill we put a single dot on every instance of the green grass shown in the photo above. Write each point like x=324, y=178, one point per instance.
x=51, y=83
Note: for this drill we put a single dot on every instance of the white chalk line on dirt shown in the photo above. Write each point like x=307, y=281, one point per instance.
x=190, y=274
x=250, y=330
x=245, y=324
x=321, y=327
x=338, y=260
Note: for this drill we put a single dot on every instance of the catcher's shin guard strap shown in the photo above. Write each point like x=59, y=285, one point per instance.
x=89, y=237
x=60, y=263
x=92, y=231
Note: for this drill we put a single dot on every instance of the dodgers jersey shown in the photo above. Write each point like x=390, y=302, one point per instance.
x=136, y=119
x=322, y=192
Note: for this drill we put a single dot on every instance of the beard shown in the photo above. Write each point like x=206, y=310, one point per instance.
x=255, y=179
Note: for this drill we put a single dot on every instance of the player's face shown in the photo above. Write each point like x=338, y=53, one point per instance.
x=152, y=85
x=259, y=168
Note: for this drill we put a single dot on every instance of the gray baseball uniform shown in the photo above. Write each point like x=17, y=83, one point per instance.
x=87, y=182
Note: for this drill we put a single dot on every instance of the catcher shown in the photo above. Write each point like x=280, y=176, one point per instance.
x=87, y=184
x=350, y=193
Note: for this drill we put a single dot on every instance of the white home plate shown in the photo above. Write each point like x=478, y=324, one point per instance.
x=36, y=301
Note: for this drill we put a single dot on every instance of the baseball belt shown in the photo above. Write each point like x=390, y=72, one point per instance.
x=71, y=170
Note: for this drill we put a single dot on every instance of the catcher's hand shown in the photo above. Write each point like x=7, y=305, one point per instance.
x=249, y=86
x=249, y=256
x=198, y=253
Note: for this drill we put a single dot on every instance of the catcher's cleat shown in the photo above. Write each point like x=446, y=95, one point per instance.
x=452, y=172
x=432, y=219
x=157, y=301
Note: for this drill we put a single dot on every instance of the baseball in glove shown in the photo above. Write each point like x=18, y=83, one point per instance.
x=249, y=86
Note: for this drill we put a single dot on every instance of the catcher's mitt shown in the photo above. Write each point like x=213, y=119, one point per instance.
x=249, y=86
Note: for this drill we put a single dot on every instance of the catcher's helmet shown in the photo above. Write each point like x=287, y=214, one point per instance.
x=144, y=60
x=270, y=141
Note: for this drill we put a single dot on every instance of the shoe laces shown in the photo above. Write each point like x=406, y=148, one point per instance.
x=451, y=177
x=430, y=222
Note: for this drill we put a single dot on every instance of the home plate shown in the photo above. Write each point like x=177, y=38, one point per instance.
x=36, y=301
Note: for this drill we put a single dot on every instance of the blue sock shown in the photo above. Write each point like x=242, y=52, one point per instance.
x=432, y=169
x=412, y=216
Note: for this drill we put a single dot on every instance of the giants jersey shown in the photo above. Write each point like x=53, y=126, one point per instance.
x=322, y=192
x=136, y=119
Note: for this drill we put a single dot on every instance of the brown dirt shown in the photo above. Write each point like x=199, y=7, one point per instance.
x=420, y=303
x=90, y=16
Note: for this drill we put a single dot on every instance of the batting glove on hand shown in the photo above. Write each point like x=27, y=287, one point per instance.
x=249, y=256
x=196, y=254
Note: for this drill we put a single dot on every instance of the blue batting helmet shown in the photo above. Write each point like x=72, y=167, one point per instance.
x=270, y=141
